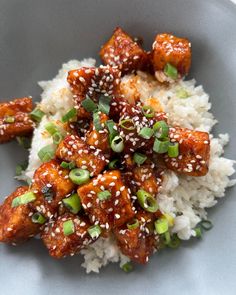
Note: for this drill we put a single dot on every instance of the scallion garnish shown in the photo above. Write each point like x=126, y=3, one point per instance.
x=117, y=144
x=37, y=115
x=161, y=146
x=146, y=132
x=57, y=137
x=161, y=225
x=113, y=164
x=173, y=150
x=127, y=124
x=174, y=242
x=68, y=227
x=25, y=142
x=38, y=218
x=51, y=128
x=104, y=104
x=46, y=153
x=68, y=165
x=72, y=203
x=79, y=176
x=182, y=93
x=9, y=119
x=71, y=114
x=23, y=199
x=198, y=232
x=89, y=105
x=104, y=195
x=171, y=71
x=112, y=131
x=206, y=224
x=96, y=121
x=133, y=225
x=161, y=129
x=94, y=231
x=146, y=201
x=148, y=111
x=21, y=168
x=127, y=267
x=139, y=158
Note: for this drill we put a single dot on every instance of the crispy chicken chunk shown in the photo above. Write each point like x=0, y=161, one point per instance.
x=72, y=148
x=194, y=152
x=122, y=51
x=15, y=222
x=61, y=244
x=168, y=48
x=15, y=119
x=111, y=210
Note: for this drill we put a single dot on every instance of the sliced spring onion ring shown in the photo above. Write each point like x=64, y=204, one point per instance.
x=89, y=105
x=148, y=111
x=72, y=203
x=161, y=146
x=38, y=218
x=51, y=128
x=9, y=119
x=127, y=267
x=167, y=238
x=104, y=195
x=68, y=227
x=146, y=132
x=182, y=93
x=79, y=176
x=133, y=225
x=37, y=115
x=173, y=150
x=46, y=153
x=68, y=165
x=113, y=164
x=206, y=224
x=161, y=226
x=104, y=104
x=146, y=201
x=127, y=124
x=161, y=129
x=21, y=168
x=174, y=242
x=71, y=114
x=23, y=199
x=25, y=142
x=96, y=121
x=94, y=231
x=171, y=71
x=111, y=126
x=139, y=158
x=198, y=232
x=117, y=144
x=57, y=137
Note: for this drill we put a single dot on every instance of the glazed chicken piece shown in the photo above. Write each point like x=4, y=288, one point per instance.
x=15, y=119
x=138, y=243
x=106, y=200
x=168, y=48
x=15, y=221
x=67, y=235
x=122, y=51
x=74, y=149
x=194, y=152
x=51, y=184
x=103, y=80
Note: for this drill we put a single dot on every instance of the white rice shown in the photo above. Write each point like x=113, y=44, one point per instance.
x=184, y=197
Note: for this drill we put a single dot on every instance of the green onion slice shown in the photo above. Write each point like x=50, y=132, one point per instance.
x=89, y=105
x=117, y=144
x=79, y=176
x=182, y=93
x=112, y=131
x=71, y=114
x=206, y=224
x=133, y=225
x=173, y=150
x=9, y=119
x=68, y=165
x=25, y=142
x=37, y=115
x=57, y=138
x=38, y=218
x=113, y=164
x=127, y=267
x=94, y=231
x=148, y=111
x=96, y=121
x=174, y=242
x=23, y=199
x=104, y=195
x=161, y=225
x=127, y=124
x=72, y=203
x=161, y=129
x=46, y=153
x=167, y=238
x=104, y=104
x=171, y=71
x=68, y=227
x=198, y=232
x=146, y=132
x=139, y=158
x=51, y=128
x=21, y=168
x=146, y=201
x=161, y=146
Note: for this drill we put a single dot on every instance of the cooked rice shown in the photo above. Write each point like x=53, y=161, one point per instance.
x=184, y=197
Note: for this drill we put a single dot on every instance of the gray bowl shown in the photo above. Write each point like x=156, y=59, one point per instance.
x=35, y=38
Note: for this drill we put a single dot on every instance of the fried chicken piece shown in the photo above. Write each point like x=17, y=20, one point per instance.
x=72, y=148
x=168, y=48
x=59, y=242
x=15, y=222
x=194, y=152
x=111, y=210
x=123, y=52
x=15, y=119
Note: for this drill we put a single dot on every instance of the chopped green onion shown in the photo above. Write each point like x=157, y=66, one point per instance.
x=38, y=218
x=161, y=225
x=113, y=164
x=48, y=193
x=198, y=232
x=167, y=238
x=96, y=121
x=72, y=203
x=37, y=115
x=127, y=124
x=173, y=150
x=57, y=138
x=51, y=128
x=89, y=105
x=127, y=267
x=46, y=153
x=206, y=224
x=182, y=93
x=161, y=129
x=71, y=114
x=174, y=242
x=9, y=119
x=160, y=146
x=104, y=195
x=104, y=104
x=139, y=158
x=117, y=144
x=68, y=165
x=23, y=199
x=146, y=132
x=112, y=131
x=133, y=225
x=21, y=168
x=79, y=176
x=68, y=227
x=25, y=142
x=146, y=201
x=94, y=231
x=148, y=111
x=171, y=71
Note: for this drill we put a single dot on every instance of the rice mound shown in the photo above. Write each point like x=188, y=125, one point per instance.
x=184, y=197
